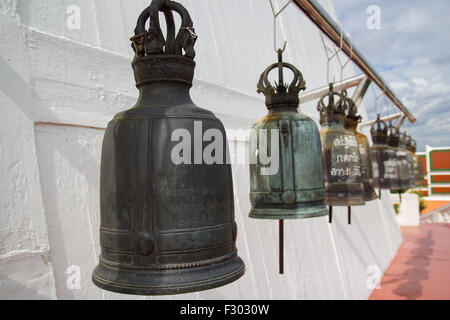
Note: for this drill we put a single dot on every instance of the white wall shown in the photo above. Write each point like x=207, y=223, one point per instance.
x=59, y=87
x=408, y=209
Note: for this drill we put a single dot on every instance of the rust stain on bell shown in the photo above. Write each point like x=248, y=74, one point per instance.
x=166, y=228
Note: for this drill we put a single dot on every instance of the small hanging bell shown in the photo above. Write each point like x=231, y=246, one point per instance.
x=390, y=157
x=341, y=157
x=402, y=157
x=391, y=154
x=418, y=165
x=381, y=170
x=351, y=124
x=414, y=162
x=412, y=168
x=292, y=188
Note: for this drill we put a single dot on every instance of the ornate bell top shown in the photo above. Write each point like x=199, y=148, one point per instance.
x=352, y=119
x=281, y=94
x=393, y=137
x=334, y=110
x=159, y=59
x=411, y=144
x=379, y=131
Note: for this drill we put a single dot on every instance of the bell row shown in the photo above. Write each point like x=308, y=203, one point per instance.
x=169, y=228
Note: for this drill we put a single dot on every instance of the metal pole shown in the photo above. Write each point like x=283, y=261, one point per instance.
x=281, y=243
x=338, y=86
x=349, y=215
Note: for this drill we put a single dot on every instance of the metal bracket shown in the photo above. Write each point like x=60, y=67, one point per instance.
x=385, y=119
x=338, y=86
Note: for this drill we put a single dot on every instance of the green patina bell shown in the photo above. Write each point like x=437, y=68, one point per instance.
x=341, y=157
x=351, y=123
x=291, y=185
x=417, y=174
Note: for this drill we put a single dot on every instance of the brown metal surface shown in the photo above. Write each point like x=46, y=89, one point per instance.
x=341, y=156
x=166, y=228
x=384, y=160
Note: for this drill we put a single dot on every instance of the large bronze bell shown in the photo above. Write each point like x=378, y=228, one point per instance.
x=167, y=217
x=411, y=163
x=291, y=188
x=351, y=124
x=341, y=157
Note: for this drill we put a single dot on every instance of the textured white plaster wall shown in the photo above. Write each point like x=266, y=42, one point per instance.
x=78, y=79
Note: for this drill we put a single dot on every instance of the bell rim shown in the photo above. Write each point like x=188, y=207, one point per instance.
x=370, y=195
x=340, y=202
x=234, y=269
x=300, y=213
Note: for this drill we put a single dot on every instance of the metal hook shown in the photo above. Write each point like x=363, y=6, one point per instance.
x=349, y=59
x=275, y=16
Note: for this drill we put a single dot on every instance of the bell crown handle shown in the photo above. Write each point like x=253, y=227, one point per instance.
x=333, y=105
x=152, y=41
x=297, y=84
x=379, y=126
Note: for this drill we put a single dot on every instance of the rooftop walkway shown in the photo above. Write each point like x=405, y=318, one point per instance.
x=421, y=269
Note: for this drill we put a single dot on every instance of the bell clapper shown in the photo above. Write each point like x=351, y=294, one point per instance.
x=330, y=214
x=349, y=215
x=281, y=243
x=400, y=195
x=379, y=193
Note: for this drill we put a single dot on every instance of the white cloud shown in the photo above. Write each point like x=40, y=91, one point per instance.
x=411, y=53
x=411, y=21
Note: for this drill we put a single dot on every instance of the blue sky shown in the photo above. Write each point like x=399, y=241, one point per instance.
x=412, y=53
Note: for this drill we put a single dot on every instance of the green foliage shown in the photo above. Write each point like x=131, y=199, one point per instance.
x=422, y=205
x=396, y=206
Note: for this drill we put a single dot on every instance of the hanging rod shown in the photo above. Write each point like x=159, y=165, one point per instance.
x=318, y=15
x=338, y=86
x=386, y=118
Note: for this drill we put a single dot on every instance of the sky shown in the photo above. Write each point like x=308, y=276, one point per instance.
x=411, y=51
